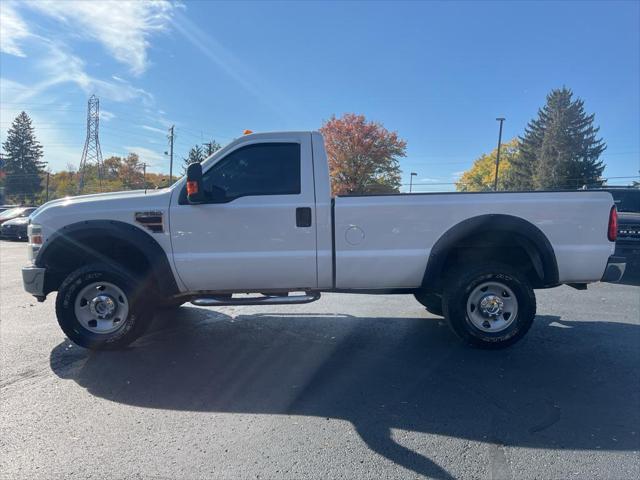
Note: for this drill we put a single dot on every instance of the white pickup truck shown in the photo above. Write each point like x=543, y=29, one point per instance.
x=257, y=217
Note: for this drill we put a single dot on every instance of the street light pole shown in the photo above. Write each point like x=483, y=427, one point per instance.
x=495, y=181
x=413, y=174
x=171, y=155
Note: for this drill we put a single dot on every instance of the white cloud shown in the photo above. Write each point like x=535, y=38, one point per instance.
x=105, y=115
x=12, y=30
x=122, y=27
x=154, y=129
x=152, y=158
x=57, y=65
x=14, y=90
x=60, y=66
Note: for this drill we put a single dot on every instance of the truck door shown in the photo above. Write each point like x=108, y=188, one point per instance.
x=257, y=229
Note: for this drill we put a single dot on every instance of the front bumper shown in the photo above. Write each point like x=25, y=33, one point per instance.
x=615, y=269
x=13, y=231
x=33, y=281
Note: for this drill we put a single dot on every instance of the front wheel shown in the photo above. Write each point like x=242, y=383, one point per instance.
x=490, y=305
x=101, y=307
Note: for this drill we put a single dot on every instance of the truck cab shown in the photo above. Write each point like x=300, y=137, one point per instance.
x=259, y=223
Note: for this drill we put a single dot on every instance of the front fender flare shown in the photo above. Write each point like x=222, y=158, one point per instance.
x=78, y=236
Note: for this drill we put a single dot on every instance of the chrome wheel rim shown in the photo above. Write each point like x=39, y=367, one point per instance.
x=102, y=308
x=492, y=307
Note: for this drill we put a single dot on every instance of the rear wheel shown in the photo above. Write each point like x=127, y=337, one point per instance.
x=431, y=301
x=490, y=305
x=168, y=306
x=103, y=307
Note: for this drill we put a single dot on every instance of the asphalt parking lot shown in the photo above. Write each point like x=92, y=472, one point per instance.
x=348, y=387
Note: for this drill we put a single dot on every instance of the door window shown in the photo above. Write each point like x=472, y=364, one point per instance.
x=260, y=169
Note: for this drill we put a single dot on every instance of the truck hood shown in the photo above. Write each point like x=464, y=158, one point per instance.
x=113, y=205
x=89, y=198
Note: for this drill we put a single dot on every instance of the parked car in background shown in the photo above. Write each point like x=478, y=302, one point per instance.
x=18, y=212
x=15, y=229
x=628, y=243
x=6, y=207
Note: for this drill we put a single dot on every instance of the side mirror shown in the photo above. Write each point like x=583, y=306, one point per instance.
x=195, y=193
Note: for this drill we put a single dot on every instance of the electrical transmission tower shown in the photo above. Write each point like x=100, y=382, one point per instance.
x=91, y=152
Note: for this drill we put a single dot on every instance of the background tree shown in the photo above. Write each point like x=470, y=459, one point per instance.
x=196, y=154
x=481, y=175
x=121, y=173
x=22, y=161
x=560, y=148
x=363, y=156
x=131, y=172
x=209, y=148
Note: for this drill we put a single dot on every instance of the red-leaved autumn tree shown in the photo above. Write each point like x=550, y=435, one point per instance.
x=363, y=156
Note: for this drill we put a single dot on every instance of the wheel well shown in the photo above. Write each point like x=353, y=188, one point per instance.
x=497, y=238
x=504, y=247
x=66, y=256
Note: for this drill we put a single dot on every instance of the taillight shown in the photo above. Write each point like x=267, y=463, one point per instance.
x=612, y=232
x=34, y=233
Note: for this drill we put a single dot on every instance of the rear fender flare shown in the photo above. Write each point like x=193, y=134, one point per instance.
x=534, y=242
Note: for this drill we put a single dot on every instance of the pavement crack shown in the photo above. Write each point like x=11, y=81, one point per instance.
x=551, y=419
x=500, y=469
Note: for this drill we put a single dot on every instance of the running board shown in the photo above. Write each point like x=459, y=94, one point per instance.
x=264, y=300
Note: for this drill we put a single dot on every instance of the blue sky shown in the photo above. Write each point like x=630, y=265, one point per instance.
x=437, y=73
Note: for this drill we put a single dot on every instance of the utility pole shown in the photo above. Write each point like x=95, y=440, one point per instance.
x=495, y=181
x=171, y=154
x=211, y=147
x=48, y=173
x=413, y=174
x=144, y=176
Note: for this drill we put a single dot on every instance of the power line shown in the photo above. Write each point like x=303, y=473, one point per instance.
x=604, y=179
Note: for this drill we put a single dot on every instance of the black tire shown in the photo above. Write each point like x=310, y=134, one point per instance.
x=431, y=301
x=170, y=306
x=140, y=307
x=464, y=281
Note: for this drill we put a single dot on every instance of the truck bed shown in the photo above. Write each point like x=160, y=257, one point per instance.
x=384, y=241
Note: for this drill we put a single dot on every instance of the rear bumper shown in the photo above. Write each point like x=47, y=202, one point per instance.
x=615, y=269
x=33, y=281
x=630, y=251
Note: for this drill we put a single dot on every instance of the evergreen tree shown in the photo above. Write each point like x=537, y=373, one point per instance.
x=195, y=155
x=210, y=148
x=22, y=161
x=560, y=148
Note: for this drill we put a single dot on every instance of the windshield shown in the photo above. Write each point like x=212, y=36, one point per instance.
x=627, y=201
